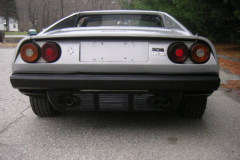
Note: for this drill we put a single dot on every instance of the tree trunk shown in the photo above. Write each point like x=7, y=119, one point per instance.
x=62, y=7
x=7, y=24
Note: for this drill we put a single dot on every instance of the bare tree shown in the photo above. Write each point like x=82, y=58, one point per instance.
x=101, y=4
x=47, y=12
x=44, y=12
x=62, y=7
x=32, y=11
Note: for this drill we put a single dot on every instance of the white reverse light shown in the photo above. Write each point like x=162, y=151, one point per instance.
x=29, y=52
x=200, y=53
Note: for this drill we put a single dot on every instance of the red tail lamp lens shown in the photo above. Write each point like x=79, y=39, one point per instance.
x=30, y=52
x=51, y=51
x=178, y=52
x=200, y=53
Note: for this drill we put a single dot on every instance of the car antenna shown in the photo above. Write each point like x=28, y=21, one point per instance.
x=196, y=36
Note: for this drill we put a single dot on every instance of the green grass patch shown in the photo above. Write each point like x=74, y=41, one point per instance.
x=15, y=33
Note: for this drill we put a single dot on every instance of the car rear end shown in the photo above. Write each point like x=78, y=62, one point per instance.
x=123, y=68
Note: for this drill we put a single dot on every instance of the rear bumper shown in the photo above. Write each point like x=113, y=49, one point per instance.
x=170, y=83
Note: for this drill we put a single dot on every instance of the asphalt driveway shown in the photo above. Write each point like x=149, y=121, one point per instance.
x=117, y=135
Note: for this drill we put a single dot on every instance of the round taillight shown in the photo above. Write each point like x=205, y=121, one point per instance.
x=30, y=52
x=199, y=53
x=51, y=51
x=178, y=52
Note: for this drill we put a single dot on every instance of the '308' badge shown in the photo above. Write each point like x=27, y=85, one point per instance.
x=158, y=52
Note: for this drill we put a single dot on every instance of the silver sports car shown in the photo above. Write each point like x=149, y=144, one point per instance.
x=116, y=60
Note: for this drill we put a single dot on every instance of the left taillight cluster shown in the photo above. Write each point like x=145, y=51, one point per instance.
x=198, y=53
x=31, y=52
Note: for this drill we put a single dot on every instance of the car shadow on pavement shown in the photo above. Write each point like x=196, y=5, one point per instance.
x=131, y=120
x=93, y=128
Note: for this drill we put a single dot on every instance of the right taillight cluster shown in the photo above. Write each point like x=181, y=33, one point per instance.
x=179, y=52
x=31, y=52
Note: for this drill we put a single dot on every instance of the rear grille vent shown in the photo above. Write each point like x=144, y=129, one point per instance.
x=87, y=102
x=113, y=101
x=140, y=101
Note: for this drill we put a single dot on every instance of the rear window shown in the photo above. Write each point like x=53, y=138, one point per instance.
x=120, y=20
x=66, y=23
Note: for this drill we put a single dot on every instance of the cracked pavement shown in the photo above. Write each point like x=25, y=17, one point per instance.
x=117, y=135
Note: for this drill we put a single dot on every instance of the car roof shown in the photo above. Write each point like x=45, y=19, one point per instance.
x=112, y=12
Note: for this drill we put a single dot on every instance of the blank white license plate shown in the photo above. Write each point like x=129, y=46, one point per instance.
x=120, y=51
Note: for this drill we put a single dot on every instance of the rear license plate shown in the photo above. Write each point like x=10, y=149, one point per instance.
x=105, y=51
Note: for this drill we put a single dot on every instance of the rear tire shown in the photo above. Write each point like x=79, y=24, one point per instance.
x=193, y=107
x=42, y=107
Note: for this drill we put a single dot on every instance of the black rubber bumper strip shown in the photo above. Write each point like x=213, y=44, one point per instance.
x=116, y=82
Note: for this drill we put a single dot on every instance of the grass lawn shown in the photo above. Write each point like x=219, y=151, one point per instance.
x=8, y=45
x=15, y=33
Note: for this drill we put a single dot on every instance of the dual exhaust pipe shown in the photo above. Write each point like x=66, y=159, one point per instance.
x=155, y=102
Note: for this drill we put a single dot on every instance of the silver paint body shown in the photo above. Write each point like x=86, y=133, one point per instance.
x=83, y=52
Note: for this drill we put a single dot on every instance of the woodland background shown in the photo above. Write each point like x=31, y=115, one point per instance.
x=219, y=20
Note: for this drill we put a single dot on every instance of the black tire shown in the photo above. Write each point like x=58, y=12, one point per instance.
x=2, y=36
x=193, y=107
x=42, y=107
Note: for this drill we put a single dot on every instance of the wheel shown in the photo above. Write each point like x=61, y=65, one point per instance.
x=193, y=107
x=42, y=107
